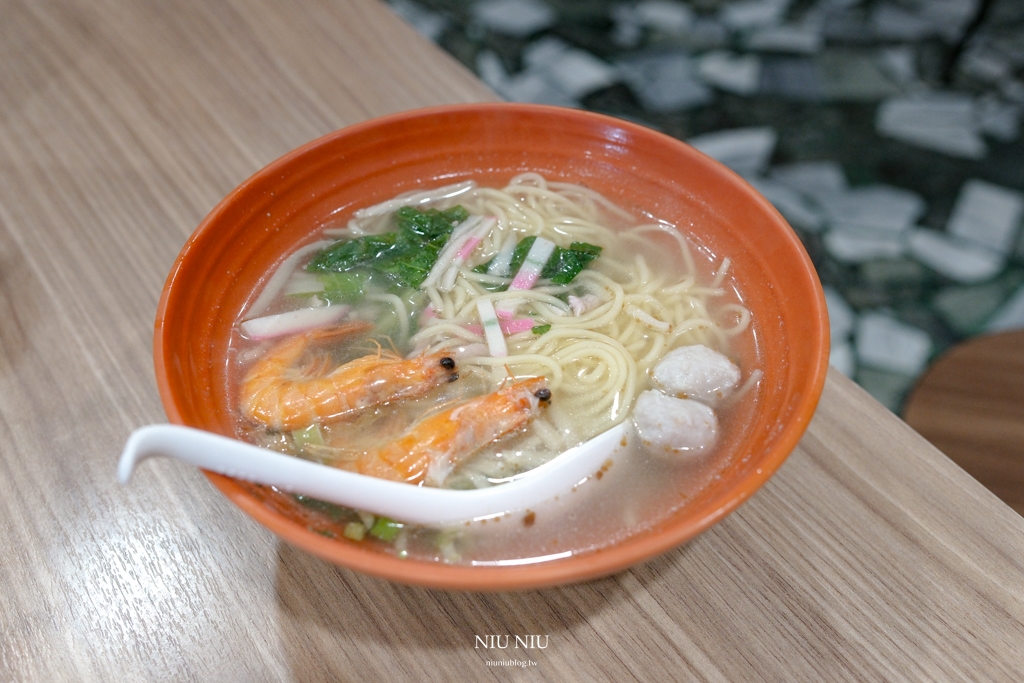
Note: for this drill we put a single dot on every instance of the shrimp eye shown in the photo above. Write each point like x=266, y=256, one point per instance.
x=543, y=394
x=448, y=363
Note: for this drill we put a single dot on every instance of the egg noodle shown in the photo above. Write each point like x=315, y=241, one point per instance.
x=608, y=327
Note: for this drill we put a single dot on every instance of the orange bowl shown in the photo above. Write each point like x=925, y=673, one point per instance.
x=283, y=206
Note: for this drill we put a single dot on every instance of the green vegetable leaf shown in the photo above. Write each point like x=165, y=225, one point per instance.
x=541, y=329
x=344, y=287
x=564, y=264
x=342, y=256
x=430, y=224
x=404, y=256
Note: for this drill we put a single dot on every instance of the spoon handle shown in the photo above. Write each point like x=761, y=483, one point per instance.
x=240, y=460
x=400, y=501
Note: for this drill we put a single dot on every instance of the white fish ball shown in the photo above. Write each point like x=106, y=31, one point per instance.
x=674, y=425
x=696, y=372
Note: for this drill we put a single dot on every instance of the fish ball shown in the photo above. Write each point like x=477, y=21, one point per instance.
x=674, y=425
x=696, y=372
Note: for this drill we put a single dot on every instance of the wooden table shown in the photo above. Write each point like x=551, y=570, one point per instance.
x=869, y=556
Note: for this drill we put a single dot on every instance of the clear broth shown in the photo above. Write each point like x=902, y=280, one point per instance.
x=637, y=493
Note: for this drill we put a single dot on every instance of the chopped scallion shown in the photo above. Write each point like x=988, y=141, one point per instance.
x=309, y=435
x=354, y=531
x=386, y=529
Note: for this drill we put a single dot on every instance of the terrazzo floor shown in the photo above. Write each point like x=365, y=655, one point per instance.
x=887, y=132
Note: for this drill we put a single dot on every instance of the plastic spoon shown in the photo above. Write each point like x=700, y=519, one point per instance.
x=404, y=502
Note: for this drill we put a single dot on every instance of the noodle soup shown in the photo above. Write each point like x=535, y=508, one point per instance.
x=440, y=301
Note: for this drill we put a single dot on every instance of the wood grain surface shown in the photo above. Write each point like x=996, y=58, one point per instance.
x=970, y=405
x=869, y=556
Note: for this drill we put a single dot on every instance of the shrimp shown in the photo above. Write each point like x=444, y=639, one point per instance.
x=282, y=397
x=435, y=445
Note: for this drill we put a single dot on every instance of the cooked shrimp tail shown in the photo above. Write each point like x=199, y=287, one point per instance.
x=280, y=395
